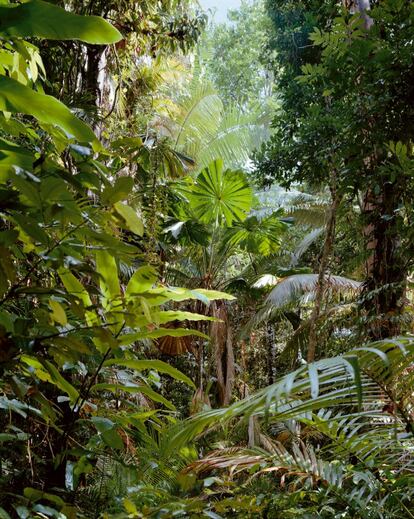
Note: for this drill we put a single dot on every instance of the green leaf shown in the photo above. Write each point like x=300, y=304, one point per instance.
x=219, y=195
x=108, y=271
x=17, y=98
x=145, y=390
x=31, y=228
x=129, y=215
x=161, y=332
x=60, y=381
x=75, y=288
x=167, y=316
x=44, y=20
x=354, y=361
x=37, y=495
x=156, y=365
x=119, y=191
x=107, y=429
x=142, y=280
x=58, y=313
x=258, y=236
x=6, y=437
x=12, y=155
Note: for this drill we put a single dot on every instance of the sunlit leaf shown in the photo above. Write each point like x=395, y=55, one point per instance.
x=39, y=19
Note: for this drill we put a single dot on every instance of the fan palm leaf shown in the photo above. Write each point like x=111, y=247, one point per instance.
x=219, y=195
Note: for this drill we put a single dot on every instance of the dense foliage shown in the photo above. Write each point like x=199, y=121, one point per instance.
x=206, y=260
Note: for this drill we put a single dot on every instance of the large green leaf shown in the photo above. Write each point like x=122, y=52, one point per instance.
x=134, y=388
x=108, y=272
x=13, y=155
x=157, y=365
x=75, y=288
x=17, y=98
x=142, y=280
x=258, y=236
x=130, y=219
x=221, y=195
x=129, y=338
x=44, y=20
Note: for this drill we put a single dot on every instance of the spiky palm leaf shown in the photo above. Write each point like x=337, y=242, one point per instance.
x=198, y=117
x=305, y=208
x=258, y=236
x=362, y=403
x=296, y=289
x=363, y=378
x=237, y=135
x=307, y=241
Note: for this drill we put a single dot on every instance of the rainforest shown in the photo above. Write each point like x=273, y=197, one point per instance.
x=207, y=259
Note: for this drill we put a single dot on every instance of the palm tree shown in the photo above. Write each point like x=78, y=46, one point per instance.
x=216, y=208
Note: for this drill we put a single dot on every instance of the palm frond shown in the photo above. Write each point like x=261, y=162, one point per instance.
x=291, y=288
x=199, y=115
x=236, y=137
x=308, y=240
x=360, y=382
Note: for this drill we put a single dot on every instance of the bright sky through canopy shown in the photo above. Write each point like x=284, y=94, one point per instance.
x=221, y=7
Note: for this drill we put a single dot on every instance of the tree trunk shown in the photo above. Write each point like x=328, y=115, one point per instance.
x=327, y=250
x=90, y=83
x=271, y=355
x=384, y=293
x=222, y=341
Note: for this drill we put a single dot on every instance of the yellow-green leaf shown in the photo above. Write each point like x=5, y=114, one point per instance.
x=132, y=221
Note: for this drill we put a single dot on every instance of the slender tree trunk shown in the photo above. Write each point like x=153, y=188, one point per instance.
x=326, y=253
x=271, y=359
x=90, y=83
x=222, y=341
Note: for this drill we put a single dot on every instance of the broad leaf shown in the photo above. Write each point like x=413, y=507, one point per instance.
x=40, y=19
x=156, y=365
x=108, y=272
x=130, y=217
x=219, y=195
x=18, y=98
x=145, y=390
x=142, y=280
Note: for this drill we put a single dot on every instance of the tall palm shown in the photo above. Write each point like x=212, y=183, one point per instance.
x=220, y=201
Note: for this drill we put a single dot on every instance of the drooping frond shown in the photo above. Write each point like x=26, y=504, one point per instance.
x=200, y=127
x=305, y=208
x=198, y=118
x=308, y=240
x=291, y=288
